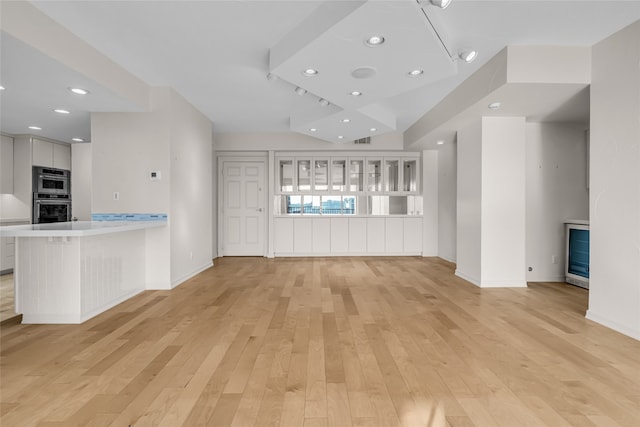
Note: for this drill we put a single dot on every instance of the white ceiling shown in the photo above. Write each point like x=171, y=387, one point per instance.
x=216, y=54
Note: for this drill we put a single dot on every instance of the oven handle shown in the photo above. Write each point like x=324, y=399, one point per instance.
x=37, y=212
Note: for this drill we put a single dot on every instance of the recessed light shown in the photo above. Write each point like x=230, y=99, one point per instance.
x=323, y=102
x=77, y=139
x=374, y=41
x=313, y=130
x=440, y=142
x=310, y=72
x=78, y=91
x=60, y=111
x=415, y=73
x=494, y=105
x=345, y=120
x=35, y=128
x=1, y=87
x=355, y=93
x=340, y=137
x=373, y=130
x=300, y=91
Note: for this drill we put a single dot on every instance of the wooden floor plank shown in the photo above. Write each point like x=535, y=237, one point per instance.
x=318, y=342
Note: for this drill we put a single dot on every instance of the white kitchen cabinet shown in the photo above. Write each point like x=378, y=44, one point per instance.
x=357, y=235
x=412, y=231
x=394, y=235
x=339, y=235
x=7, y=246
x=6, y=163
x=303, y=236
x=375, y=235
x=51, y=154
x=321, y=239
x=283, y=242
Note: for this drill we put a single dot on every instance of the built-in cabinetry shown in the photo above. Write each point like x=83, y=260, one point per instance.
x=7, y=248
x=342, y=203
x=51, y=154
x=6, y=159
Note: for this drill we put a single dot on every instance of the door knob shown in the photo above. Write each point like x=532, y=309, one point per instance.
x=259, y=209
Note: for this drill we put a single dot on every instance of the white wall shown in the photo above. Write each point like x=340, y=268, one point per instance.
x=447, y=203
x=430, y=203
x=556, y=191
x=81, y=181
x=614, y=294
x=191, y=190
x=469, y=191
x=290, y=141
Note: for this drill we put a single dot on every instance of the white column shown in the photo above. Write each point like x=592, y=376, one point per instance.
x=614, y=285
x=430, y=203
x=491, y=202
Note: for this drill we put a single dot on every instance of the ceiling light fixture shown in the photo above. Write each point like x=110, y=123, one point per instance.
x=77, y=139
x=355, y=93
x=272, y=77
x=323, y=102
x=494, y=105
x=78, y=91
x=374, y=41
x=60, y=111
x=440, y=142
x=340, y=137
x=345, y=120
x=310, y=72
x=373, y=130
x=415, y=73
x=1, y=87
x=300, y=91
x=468, y=55
x=35, y=128
x=313, y=130
x=442, y=4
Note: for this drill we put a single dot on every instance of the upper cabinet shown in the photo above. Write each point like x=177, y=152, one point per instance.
x=6, y=159
x=51, y=154
x=331, y=173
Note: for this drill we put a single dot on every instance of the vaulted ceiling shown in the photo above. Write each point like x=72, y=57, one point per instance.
x=218, y=54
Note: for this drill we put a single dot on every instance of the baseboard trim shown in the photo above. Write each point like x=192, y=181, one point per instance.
x=188, y=276
x=611, y=324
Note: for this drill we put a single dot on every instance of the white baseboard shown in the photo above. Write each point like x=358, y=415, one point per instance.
x=468, y=278
x=611, y=324
x=188, y=276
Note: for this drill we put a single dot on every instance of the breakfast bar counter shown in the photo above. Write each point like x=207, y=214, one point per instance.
x=72, y=271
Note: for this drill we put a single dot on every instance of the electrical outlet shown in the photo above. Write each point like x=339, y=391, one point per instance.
x=116, y=195
x=554, y=259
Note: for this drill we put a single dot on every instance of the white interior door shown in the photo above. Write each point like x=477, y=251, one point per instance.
x=243, y=208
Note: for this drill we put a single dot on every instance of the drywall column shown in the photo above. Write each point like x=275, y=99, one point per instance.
x=491, y=202
x=430, y=203
x=81, y=181
x=614, y=294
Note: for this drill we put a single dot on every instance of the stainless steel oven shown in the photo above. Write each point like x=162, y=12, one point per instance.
x=49, y=208
x=51, y=181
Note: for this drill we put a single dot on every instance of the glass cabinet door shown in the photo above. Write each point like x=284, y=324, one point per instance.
x=392, y=175
x=338, y=175
x=374, y=175
x=304, y=175
x=356, y=175
x=410, y=176
x=285, y=175
x=321, y=174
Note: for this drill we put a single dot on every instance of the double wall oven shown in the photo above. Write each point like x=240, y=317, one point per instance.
x=51, y=195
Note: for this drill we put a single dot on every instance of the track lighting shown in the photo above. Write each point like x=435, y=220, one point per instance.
x=300, y=91
x=468, y=55
x=442, y=4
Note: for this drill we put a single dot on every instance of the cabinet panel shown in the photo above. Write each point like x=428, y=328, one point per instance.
x=394, y=235
x=283, y=239
x=62, y=156
x=339, y=235
x=375, y=235
x=321, y=235
x=412, y=235
x=42, y=153
x=6, y=159
x=7, y=249
x=302, y=236
x=357, y=235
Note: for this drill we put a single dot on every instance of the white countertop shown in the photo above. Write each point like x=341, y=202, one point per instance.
x=77, y=228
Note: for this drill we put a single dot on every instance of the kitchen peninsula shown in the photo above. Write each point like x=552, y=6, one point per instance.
x=70, y=272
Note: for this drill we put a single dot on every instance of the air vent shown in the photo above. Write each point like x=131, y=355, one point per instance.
x=366, y=140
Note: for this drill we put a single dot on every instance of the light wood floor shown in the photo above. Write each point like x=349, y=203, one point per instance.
x=7, y=307
x=326, y=342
